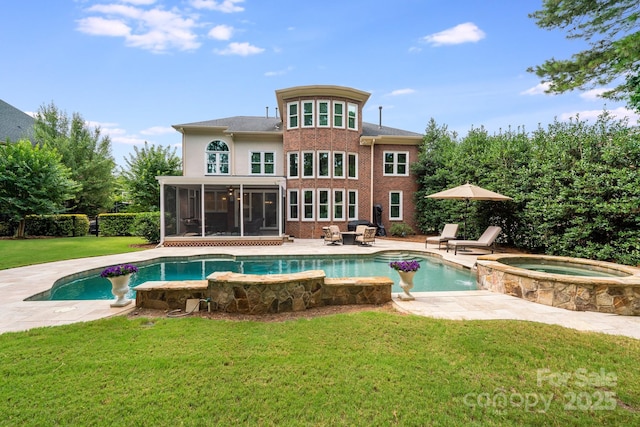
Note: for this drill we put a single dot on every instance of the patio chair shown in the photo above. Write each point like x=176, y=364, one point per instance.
x=253, y=226
x=332, y=235
x=486, y=241
x=367, y=237
x=449, y=232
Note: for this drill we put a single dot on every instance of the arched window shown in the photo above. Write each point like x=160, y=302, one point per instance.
x=217, y=158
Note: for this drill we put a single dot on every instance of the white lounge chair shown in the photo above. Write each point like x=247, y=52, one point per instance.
x=449, y=232
x=486, y=241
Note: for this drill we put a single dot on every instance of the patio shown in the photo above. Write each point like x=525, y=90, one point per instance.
x=20, y=283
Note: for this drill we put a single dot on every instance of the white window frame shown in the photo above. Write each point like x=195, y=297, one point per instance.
x=355, y=156
x=312, y=156
x=341, y=115
x=334, y=164
x=263, y=163
x=310, y=205
x=322, y=192
x=297, y=162
x=328, y=113
x=306, y=114
x=294, y=196
x=338, y=201
x=290, y=116
x=392, y=205
x=352, y=107
x=394, y=164
x=328, y=160
x=351, y=205
x=217, y=155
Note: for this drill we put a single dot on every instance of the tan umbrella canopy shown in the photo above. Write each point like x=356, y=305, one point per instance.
x=468, y=192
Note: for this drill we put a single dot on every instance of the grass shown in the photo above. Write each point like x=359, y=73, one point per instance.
x=21, y=252
x=367, y=368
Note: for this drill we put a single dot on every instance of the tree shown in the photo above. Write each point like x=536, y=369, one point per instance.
x=33, y=181
x=140, y=177
x=611, y=28
x=85, y=152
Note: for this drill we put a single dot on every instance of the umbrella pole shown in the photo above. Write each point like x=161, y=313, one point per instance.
x=466, y=209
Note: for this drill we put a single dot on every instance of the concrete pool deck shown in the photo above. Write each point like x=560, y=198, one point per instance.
x=19, y=283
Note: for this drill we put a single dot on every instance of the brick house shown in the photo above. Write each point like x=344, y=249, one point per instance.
x=255, y=180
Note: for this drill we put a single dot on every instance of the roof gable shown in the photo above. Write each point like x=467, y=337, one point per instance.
x=15, y=124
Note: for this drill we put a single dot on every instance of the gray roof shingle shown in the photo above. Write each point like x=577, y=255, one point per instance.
x=273, y=124
x=15, y=124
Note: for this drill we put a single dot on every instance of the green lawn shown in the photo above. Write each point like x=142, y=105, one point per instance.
x=19, y=252
x=367, y=368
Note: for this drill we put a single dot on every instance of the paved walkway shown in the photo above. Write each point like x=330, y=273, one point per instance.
x=20, y=283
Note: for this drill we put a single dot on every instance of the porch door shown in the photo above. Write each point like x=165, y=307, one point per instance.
x=261, y=204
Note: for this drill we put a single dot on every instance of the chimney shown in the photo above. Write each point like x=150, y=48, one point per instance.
x=380, y=125
x=276, y=112
x=267, y=111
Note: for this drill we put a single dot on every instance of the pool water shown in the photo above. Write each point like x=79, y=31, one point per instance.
x=564, y=268
x=432, y=275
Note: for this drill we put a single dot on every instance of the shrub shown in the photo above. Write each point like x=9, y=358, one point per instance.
x=401, y=229
x=116, y=224
x=147, y=226
x=57, y=225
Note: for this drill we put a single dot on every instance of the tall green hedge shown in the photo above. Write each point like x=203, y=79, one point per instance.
x=71, y=225
x=575, y=185
x=116, y=224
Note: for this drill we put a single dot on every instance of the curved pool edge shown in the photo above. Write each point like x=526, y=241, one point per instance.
x=618, y=295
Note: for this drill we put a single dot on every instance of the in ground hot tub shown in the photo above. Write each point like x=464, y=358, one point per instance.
x=571, y=283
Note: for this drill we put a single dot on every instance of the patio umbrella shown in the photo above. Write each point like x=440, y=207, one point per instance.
x=468, y=192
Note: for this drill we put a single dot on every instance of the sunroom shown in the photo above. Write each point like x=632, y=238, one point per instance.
x=217, y=210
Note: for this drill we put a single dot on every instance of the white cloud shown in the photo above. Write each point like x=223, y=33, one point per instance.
x=279, y=72
x=97, y=26
x=221, y=32
x=140, y=2
x=618, y=113
x=398, y=92
x=225, y=6
x=462, y=33
x=538, y=89
x=414, y=49
x=153, y=29
x=158, y=130
x=242, y=49
x=593, y=94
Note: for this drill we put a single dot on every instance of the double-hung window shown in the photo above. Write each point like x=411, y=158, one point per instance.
x=338, y=205
x=262, y=163
x=294, y=205
x=307, y=114
x=292, y=115
x=324, y=204
x=396, y=163
x=217, y=157
x=395, y=205
x=352, y=116
x=338, y=114
x=307, y=204
x=352, y=204
x=323, y=114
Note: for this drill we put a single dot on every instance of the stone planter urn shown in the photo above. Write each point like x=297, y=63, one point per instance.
x=120, y=288
x=406, y=283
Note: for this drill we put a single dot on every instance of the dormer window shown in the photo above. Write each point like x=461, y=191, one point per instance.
x=217, y=156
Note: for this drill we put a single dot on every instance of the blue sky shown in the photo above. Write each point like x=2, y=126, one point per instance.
x=136, y=67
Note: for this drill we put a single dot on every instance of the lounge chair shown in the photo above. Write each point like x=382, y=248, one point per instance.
x=367, y=237
x=253, y=226
x=332, y=235
x=486, y=241
x=449, y=232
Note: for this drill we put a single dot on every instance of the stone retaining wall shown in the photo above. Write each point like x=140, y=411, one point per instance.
x=258, y=294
